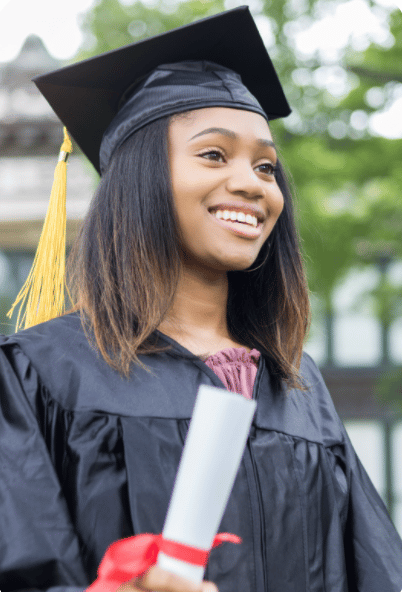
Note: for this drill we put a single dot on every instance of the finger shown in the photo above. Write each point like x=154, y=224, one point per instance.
x=160, y=580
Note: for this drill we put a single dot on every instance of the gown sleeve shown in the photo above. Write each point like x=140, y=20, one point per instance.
x=372, y=546
x=39, y=548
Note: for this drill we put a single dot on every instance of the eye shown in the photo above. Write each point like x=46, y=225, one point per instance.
x=270, y=169
x=214, y=155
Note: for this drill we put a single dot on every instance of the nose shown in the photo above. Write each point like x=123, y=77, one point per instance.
x=244, y=181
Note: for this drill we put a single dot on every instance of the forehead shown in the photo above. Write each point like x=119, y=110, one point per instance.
x=244, y=123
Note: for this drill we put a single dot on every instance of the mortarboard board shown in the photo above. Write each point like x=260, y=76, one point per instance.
x=217, y=61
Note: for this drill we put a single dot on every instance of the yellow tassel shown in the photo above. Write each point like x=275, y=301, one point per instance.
x=42, y=295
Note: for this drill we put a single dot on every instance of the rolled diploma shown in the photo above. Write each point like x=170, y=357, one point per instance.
x=209, y=463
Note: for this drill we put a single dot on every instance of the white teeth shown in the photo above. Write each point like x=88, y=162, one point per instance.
x=236, y=216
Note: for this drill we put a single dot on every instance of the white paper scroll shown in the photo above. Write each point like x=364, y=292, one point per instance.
x=211, y=457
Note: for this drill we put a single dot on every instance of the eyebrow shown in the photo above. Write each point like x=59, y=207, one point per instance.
x=232, y=135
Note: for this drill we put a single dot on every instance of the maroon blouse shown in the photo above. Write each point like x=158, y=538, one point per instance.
x=237, y=368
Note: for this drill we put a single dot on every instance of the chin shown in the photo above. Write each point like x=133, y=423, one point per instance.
x=225, y=262
x=240, y=265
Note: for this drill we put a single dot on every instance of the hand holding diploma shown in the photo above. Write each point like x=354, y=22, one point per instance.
x=157, y=579
x=211, y=456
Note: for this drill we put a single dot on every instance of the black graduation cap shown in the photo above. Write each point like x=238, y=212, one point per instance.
x=87, y=96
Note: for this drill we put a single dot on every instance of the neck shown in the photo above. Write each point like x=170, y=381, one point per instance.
x=200, y=305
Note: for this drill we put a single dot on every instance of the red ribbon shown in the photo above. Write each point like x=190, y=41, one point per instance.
x=128, y=558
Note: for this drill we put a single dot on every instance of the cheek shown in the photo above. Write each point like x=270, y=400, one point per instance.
x=277, y=203
x=184, y=183
x=186, y=205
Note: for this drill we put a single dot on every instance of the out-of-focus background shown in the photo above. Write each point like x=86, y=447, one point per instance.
x=341, y=65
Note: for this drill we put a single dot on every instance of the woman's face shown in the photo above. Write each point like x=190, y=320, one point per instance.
x=225, y=193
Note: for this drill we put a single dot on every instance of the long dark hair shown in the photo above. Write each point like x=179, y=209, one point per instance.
x=124, y=267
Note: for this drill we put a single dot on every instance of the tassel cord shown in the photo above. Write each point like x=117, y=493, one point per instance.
x=42, y=295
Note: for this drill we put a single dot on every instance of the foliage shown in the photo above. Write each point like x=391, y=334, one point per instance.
x=347, y=180
x=111, y=24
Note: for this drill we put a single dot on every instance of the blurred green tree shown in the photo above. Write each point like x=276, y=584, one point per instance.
x=111, y=24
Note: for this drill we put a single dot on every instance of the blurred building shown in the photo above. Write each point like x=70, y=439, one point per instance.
x=30, y=138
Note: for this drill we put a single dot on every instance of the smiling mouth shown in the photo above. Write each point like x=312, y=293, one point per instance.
x=243, y=229
x=235, y=216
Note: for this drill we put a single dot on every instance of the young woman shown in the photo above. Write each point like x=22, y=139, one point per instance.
x=186, y=271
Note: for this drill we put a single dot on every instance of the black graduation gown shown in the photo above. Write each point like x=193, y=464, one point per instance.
x=88, y=457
